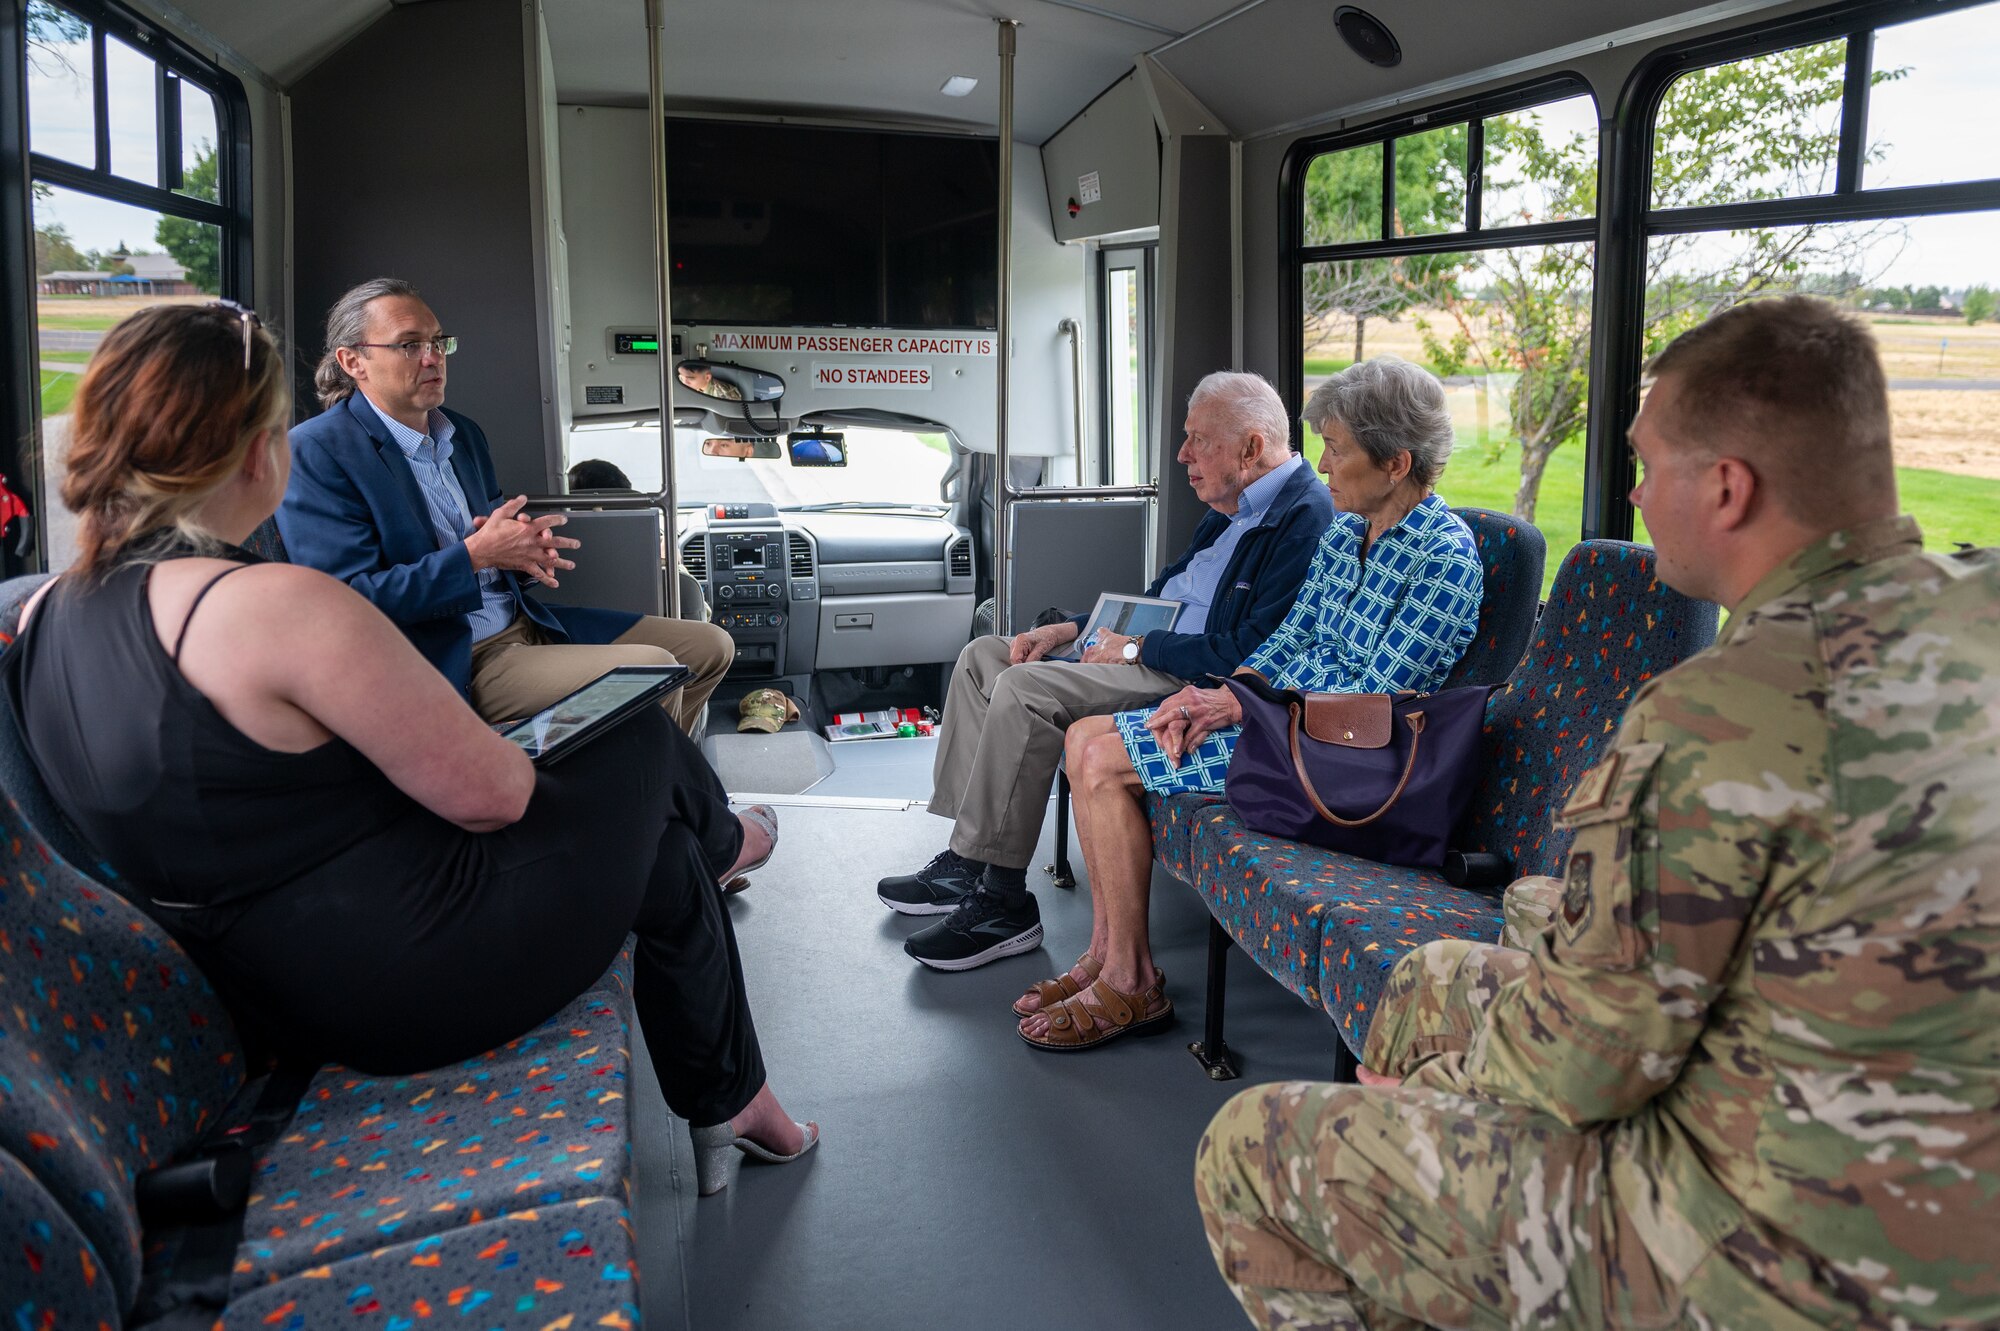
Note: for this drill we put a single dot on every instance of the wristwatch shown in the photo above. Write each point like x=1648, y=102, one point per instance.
x=1131, y=649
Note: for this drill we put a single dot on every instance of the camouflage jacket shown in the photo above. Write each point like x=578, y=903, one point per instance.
x=1774, y=970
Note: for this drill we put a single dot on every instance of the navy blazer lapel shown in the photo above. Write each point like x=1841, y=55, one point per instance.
x=467, y=468
x=398, y=466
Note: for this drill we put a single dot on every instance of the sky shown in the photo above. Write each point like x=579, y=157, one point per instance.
x=1932, y=126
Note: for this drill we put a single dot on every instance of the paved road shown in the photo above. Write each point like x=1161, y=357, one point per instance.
x=1959, y=385
x=70, y=339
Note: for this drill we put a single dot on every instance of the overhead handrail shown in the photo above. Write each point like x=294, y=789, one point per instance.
x=1069, y=325
x=656, y=110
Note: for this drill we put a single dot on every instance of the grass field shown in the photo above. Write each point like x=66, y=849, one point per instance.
x=81, y=323
x=1951, y=509
x=67, y=357
x=58, y=387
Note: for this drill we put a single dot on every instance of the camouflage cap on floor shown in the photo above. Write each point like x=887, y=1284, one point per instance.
x=767, y=710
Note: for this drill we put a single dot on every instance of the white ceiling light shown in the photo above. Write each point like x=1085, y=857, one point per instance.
x=958, y=86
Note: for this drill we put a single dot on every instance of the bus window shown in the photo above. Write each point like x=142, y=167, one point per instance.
x=1505, y=325
x=61, y=73
x=1763, y=128
x=102, y=254
x=1925, y=284
x=1949, y=81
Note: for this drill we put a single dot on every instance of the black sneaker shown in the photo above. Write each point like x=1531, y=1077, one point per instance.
x=980, y=930
x=935, y=889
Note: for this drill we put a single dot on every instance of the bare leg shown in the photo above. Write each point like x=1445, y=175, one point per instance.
x=765, y=1122
x=1075, y=742
x=1117, y=846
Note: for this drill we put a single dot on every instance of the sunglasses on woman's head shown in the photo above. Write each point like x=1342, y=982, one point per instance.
x=249, y=319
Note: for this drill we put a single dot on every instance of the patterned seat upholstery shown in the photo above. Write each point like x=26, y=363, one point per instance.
x=1329, y=926
x=371, y=1161
x=49, y=1272
x=568, y=1265
x=1511, y=554
x=507, y=1176
x=266, y=543
x=114, y=1051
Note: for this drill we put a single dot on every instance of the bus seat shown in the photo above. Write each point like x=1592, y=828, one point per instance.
x=48, y=1268
x=532, y=1266
x=1330, y=926
x=267, y=543
x=373, y=1162
x=1512, y=553
x=114, y=1050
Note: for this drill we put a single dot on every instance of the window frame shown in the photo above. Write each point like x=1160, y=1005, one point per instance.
x=1295, y=254
x=21, y=168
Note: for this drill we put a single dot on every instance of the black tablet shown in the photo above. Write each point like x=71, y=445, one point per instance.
x=565, y=725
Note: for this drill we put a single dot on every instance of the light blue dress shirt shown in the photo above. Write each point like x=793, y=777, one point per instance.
x=1194, y=586
x=451, y=516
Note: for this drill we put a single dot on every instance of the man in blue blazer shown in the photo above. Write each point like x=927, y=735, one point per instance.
x=1007, y=709
x=397, y=497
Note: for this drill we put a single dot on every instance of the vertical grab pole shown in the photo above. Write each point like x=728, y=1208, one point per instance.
x=1075, y=332
x=656, y=109
x=1002, y=482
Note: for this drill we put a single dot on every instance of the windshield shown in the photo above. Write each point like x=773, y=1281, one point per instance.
x=883, y=467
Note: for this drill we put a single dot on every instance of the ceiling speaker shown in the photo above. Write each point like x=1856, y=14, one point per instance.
x=1370, y=39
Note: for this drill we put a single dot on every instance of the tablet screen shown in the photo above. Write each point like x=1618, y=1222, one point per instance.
x=1131, y=616
x=619, y=690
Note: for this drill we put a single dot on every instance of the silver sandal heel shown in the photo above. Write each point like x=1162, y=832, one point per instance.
x=766, y=819
x=712, y=1148
x=713, y=1145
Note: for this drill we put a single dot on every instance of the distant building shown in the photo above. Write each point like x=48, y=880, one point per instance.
x=151, y=275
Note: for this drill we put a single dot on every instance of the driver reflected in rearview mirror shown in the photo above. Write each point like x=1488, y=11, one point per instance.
x=745, y=449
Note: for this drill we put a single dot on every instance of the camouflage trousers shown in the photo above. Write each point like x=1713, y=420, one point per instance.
x=1387, y=1208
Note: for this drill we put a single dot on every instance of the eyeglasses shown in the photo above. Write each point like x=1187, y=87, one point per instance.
x=439, y=346
x=249, y=319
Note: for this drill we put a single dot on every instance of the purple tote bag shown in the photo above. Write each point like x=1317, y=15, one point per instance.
x=1382, y=776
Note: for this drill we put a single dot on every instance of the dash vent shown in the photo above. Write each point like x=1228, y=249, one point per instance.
x=694, y=555
x=802, y=554
x=960, y=558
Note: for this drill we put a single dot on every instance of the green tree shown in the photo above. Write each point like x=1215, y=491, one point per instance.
x=1978, y=305
x=1343, y=202
x=54, y=34
x=55, y=252
x=196, y=246
x=1756, y=129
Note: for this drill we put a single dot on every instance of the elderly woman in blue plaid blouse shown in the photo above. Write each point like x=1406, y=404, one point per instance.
x=1390, y=603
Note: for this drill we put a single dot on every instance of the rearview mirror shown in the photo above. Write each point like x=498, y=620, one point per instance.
x=731, y=383
x=766, y=450
x=818, y=450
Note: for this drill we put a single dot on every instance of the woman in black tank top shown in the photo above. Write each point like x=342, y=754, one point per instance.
x=313, y=811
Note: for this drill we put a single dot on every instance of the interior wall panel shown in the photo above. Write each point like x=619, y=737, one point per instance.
x=428, y=178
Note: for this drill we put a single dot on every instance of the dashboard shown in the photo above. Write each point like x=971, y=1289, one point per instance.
x=827, y=590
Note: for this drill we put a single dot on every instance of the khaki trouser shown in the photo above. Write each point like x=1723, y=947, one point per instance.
x=518, y=671
x=1003, y=739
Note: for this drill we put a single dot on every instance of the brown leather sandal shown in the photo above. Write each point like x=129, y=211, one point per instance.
x=1106, y=1012
x=1051, y=992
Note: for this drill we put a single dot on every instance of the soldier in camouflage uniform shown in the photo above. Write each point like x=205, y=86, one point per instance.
x=1740, y=1066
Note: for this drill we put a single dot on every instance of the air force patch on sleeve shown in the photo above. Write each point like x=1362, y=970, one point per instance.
x=1576, y=892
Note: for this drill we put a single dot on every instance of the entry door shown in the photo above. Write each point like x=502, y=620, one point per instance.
x=1125, y=295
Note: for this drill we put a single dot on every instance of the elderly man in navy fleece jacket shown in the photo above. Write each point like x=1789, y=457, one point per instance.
x=1005, y=715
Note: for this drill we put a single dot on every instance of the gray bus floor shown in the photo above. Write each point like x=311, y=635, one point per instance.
x=964, y=1179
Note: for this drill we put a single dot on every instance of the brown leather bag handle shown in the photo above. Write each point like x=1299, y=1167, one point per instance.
x=1415, y=720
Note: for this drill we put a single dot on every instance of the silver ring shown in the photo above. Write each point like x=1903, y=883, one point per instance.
x=1184, y=711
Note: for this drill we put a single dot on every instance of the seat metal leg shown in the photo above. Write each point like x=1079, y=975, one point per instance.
x=1059, y=873
x=1211, y=1051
